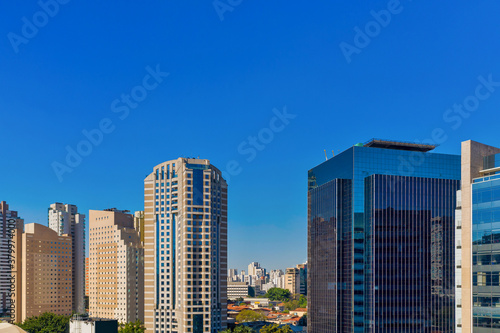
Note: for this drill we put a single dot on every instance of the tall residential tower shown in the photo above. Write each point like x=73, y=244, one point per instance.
x=116, y=266
x=65, y=219
x=185, y=236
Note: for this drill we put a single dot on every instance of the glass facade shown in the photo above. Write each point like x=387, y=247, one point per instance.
x=486, y=249
x=376, y=218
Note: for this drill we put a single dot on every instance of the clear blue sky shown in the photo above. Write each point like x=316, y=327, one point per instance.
x=226, y=77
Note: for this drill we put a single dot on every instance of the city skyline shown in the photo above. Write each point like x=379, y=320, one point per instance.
x=404, y=84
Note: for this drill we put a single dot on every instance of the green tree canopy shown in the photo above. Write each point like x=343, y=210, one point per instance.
x=302, y=301
x=275, y=328
x=46, y=323
x=239, y=329
x=136, y=327
x=247, y=316
x=303, y=320
x=278, y=294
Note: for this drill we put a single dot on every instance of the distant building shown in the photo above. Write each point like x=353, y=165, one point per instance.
x=43, y=278
x=9, y=221
x=292, y=280
x=302, y=278
x=252, y=268
x=139, y=224
x=232, y=275
x=116, y=273
x=65, y=219
x=237, y=290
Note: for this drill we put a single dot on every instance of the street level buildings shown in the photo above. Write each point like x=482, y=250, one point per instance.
x=65, y=219
x=381, y=220
x=116, y=267
x=185, y=236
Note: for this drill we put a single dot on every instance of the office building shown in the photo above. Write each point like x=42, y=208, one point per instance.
x=116, y=267
x=381, y=219
x=185, y=235
x=9, y=221
x=43, y=278
x=65, y=219
x=237, y=290
x=478, y=240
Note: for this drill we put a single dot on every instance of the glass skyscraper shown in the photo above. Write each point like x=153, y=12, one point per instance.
x=381, y=219
x=486, y=247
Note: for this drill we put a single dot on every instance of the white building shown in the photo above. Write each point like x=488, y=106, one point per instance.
x=237, y=290
x=65, y=219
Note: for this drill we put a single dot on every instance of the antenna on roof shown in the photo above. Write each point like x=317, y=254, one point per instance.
x=326, y=157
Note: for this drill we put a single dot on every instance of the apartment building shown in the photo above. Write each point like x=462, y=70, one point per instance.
x=65, y=219
x=116, y=266
x=43, y=278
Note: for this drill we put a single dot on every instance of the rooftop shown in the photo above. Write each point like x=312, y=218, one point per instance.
x=399, y=145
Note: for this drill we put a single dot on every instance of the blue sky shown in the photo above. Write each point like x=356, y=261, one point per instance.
x=225, y=79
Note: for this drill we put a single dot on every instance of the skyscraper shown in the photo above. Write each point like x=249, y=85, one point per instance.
x=65, y=219
x=381, y=238
x=116, y=271
x=9, y=221
x=185, y=235
x=477, y=240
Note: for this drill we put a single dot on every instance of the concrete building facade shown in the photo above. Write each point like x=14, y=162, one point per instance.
x=65, y=219
x=116, y=267
x=43, y=268
x=237, y=290
x=185, y=235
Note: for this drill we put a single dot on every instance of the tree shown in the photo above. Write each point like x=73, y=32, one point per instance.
x=303, y=320
x=136, y=327
x=239, y=329
x=46, y=323
x=292, y=305
x=278, y=294
x=247, y=316
x=302, y=301
x=275, y=328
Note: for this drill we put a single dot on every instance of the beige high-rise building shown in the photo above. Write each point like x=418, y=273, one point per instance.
x=116, y=267
x=65, y=219
x=292, y=280
x=185, y=235
x=43, y=277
